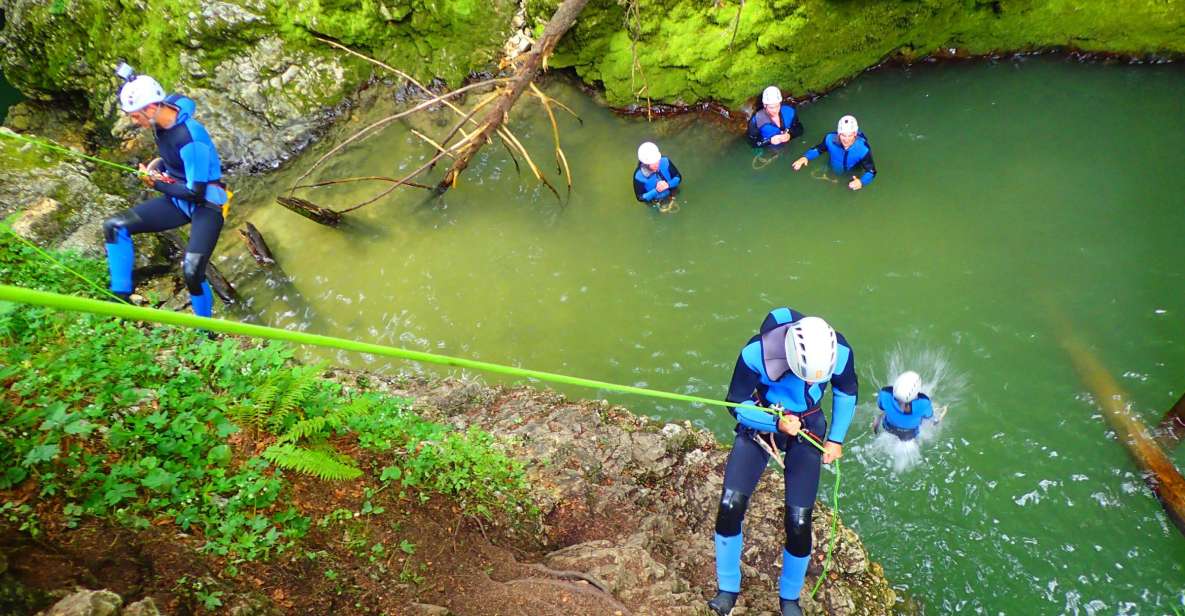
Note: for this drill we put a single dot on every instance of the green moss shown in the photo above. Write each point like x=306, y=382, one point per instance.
x=686, y=51
x=67, y=52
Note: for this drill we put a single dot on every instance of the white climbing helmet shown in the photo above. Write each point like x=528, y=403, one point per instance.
x=771, y=96
x=648, y=153
x=140, y=93
x=847, y=125
x=810, y=349
x=907, y=386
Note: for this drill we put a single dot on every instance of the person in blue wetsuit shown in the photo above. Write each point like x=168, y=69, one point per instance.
x=191, y=187
x=786, y=367
x=847, y=148
x=656, y=177
x=905, y=407
x=775, y=124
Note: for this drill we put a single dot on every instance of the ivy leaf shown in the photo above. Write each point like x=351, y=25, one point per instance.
x=118, y=492
x=80, y=427
x=218, y=455
x=41, y=453
x=159, y=479
x=390, y=473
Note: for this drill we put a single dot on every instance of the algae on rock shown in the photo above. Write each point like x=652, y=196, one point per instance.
x=685, y=51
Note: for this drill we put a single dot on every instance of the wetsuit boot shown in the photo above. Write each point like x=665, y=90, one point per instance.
x=203, y=305
x=728, y=573
x=791, y=580
x=120, y=257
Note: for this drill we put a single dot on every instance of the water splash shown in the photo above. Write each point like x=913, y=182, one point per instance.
x=945, y=386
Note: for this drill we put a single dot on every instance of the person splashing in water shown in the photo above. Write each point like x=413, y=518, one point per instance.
x=904, y=407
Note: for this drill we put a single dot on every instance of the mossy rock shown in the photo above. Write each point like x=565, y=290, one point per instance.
x=684, y=51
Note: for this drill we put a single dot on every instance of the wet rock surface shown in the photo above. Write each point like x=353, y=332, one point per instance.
x=631, y=504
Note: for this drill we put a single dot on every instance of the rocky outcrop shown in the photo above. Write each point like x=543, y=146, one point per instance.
x=631, y=504
x=99, y=603
x=264, y=86
x=60, y=204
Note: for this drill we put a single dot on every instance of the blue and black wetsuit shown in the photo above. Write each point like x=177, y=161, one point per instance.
x=194, y=196
x=762, y=126
x=762, y=377
x=842, y=161
x=904, y=425
x=644, y=185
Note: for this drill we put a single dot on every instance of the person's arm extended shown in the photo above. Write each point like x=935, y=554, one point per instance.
x=744, y=382
x=814, y=152
x=844, y=387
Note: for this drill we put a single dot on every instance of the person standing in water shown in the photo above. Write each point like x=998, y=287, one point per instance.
x=905, y=407
x=656, y=177
x=775, y=124
x=191, y=187
x=847, y=148
x=785, y=367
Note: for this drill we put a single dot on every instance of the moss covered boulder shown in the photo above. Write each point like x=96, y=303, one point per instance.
x=263, y=83
x=683, y=51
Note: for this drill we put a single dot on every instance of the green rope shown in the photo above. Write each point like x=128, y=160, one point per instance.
x=4, y=132
x=834, y=532
x=4, y=225
x=167, y=317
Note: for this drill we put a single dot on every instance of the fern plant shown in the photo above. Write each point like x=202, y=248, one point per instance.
x=287, y=405
x=313, y=462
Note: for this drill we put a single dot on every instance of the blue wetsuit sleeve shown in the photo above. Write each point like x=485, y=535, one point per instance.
x=675, y=176
x=924, y=407
x=744, y=379
x=752, y=416
x=869, y=169
x=814, y=152
x=844, y=387
x=640, y=190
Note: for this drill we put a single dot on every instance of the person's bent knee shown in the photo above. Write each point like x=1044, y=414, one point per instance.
x=731, y=513
x=114, y=224
x=798, y=530
x=194, y=270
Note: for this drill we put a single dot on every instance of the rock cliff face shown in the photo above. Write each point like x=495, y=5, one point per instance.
x=265, y=85
x=262, y=83
x=631, y=503
x=684, y=51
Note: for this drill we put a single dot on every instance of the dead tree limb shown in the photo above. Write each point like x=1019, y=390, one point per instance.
x=563, y=19
x=1171, y=429
x=255, y=245
x=310, y=210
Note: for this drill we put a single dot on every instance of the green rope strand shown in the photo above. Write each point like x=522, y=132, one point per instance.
x=4, y=132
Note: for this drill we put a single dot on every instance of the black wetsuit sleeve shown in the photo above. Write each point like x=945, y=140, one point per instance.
x=796, y=129
x=753, y=134
x=821, y=148
x=744, y=380
x=639, y=189
x=867, y=163
x=180, y=191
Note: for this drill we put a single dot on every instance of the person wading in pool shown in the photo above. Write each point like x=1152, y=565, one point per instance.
x=656, y=177
x=847, y=148
x=191, y=187
x=775, y=124
x=786, y=366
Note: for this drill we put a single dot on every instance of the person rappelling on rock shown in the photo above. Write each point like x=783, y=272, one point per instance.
x=775, y=124
x=905, y=407
x=191, y=183
x=847, y=148
x=785, y=368
x=656, y=177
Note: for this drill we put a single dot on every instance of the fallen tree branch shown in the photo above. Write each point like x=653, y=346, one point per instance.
x=563, y=18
